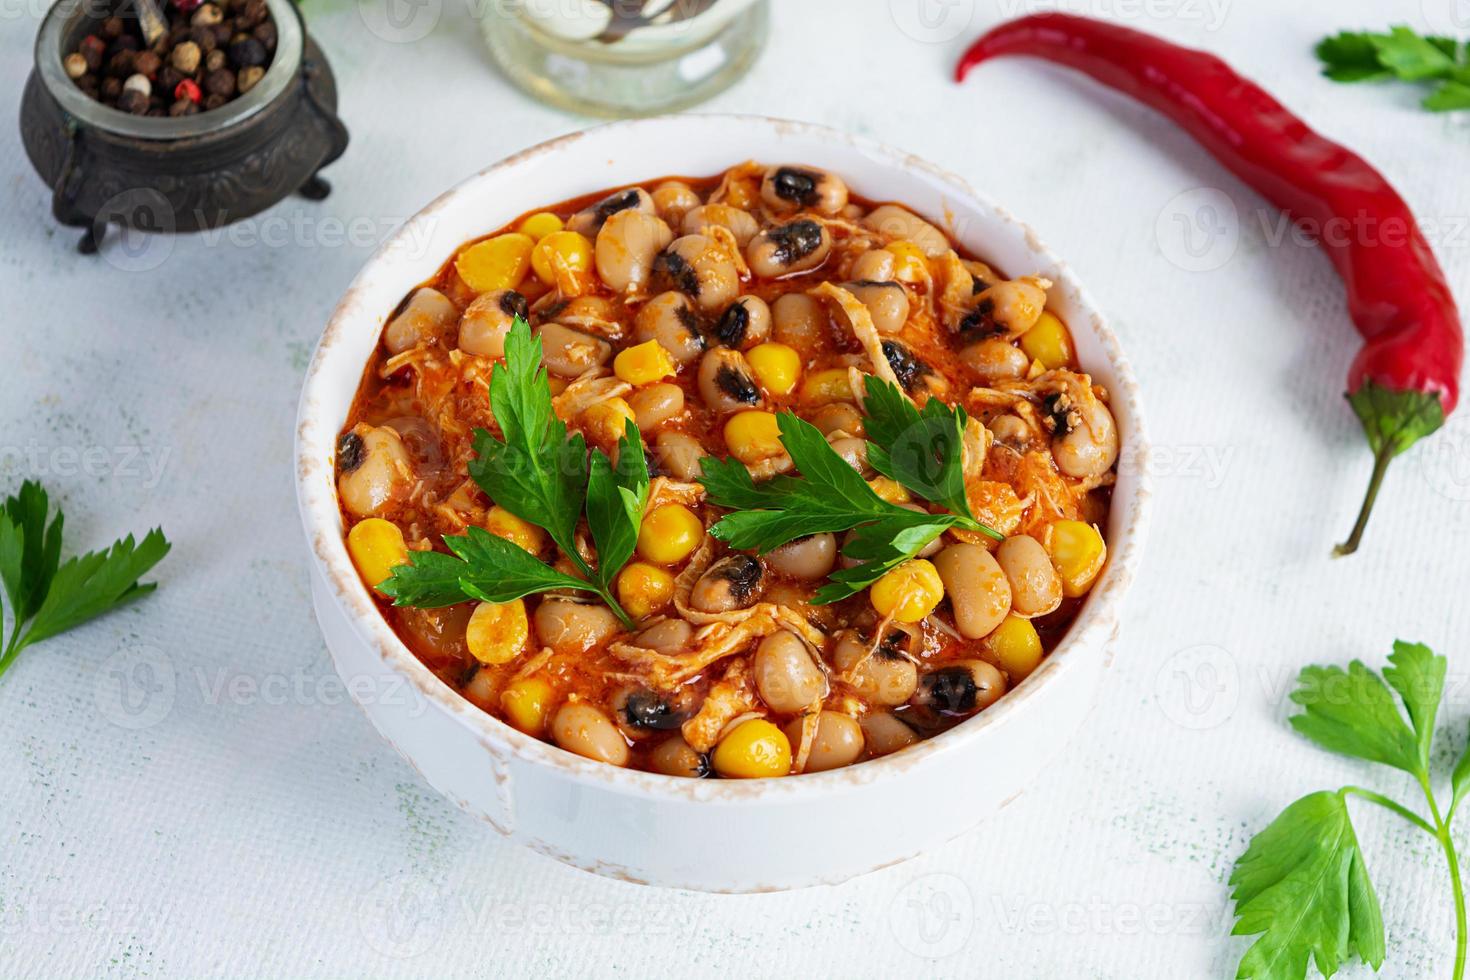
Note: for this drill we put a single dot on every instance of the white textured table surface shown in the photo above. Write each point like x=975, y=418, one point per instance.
x=236, y=814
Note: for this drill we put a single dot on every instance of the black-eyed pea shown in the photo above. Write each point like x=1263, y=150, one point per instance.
x=798, y=320
x=698, y=267
x=887, y=303
x=734, y=582
x=589, y=220
x=854, y=451
x=874, y=265
x=427, y=314
x=675, y=757
x=809, y=558
x=961, y=688
x=895, y=222
x=487, y=321
x=739, y=223
x=884, y=676
x=744, y=324
x=978, y=592
x=786, y=676
x=838, y=417
x=626, y=247
x=581, y=728
x=673, y=199
x=784, y=250
x=838, y=741
x=669, y=318
x=655, y=405
x=669, y=636
x=791, y=188
x=1009, y=308
x=373, y=469
x=1089, y=446
x=1036, y=589
x=573, y=627
x=1010, y=431
x=726, y=382
x=995, y=359
x=884, y=734
x=569, y=353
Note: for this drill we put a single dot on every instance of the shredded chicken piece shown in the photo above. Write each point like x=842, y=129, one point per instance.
x=748, y=170
x=663, y=490
x=726, y=238
x=586, y=391
x=975, y=446
x=729, y=697
x=955, y=286
x=861, y=322
x=810, y=716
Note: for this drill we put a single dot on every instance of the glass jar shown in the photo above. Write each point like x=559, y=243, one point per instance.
x=624, y=57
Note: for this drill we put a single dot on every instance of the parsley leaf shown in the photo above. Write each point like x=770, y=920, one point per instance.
x=482, y=566
x=1360, y=56
x=1303, y=886
x=537, y=471
x=922, y=450
x=46, y=597
x=1450, y=96
x=1411, y=57
x=615, y=500
x=541, y=474
x=1351, y=56
x=1352, y=712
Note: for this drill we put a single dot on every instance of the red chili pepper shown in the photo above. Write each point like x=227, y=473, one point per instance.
x=188, y=89
x=1406, y=378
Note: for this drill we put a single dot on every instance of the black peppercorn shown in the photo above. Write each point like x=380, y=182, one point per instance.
x=111, y=88
x=183, y=107
x=247, y=52
x=120, y=64
x=214, y=101
x=204, y=37
x=112, y=27
x=169, y=78
x=91, y=48
x=147, y=63
x=266, y=34
x=125, y=42
x=215, y=60
x=220, y=82
x=131, y=100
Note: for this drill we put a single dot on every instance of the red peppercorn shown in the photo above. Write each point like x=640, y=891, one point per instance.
x=188, y=89
x=186, y=6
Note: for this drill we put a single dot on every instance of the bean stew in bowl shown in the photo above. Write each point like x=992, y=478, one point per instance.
x=736, y=475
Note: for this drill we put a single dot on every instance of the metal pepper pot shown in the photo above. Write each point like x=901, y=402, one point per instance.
x=186, y=173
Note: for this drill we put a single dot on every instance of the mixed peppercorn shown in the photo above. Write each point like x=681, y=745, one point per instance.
x=210, y=54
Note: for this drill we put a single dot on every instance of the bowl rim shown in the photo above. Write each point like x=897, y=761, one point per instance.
x=285, y=63
x=1091, y=634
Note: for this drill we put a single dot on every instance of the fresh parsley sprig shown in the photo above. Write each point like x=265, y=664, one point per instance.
x=1302, y=884
x=921, y=450
x=1366, y=56
x=47, y=597
x=544, y=475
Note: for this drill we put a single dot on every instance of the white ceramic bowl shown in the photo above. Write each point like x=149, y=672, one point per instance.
x=715, y=835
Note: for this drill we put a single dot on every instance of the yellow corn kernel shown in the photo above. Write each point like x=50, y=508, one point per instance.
x=376, y=546
x=497, y=631
x=752, y=436
x=909, y=262
x=605, y=421
x=503, y=524
x=526, y=701
x=669, y=534
x=776, y=366
x=755, y=749
x=1016, y=646
x=564, y=251
x=909, y=592
x=644, y=588
x=644, y=364
x=1048, y=342
x=1078, y=552
x=828, y=385
x=495, y=263
x=890, y=490
x=540, y=224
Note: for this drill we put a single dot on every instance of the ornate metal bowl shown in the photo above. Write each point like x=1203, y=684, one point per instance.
x=179, y=173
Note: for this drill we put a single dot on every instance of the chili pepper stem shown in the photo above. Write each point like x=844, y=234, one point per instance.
x=1381, y=459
